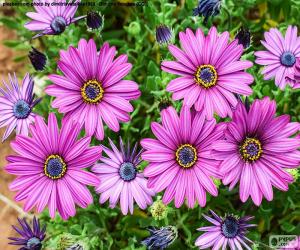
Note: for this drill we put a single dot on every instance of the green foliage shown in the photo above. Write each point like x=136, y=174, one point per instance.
x=132, y=30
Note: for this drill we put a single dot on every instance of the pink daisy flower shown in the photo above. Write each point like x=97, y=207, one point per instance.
x=121, y=180
x=50, y=167
x=281, y=55
x=16, y=104
x=210, y=72
x=257, y=149
x=92, y=90
x=52, y=19
x=228, y=231
x=179, y=159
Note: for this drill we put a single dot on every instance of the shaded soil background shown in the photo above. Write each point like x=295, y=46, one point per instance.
x=8, y=214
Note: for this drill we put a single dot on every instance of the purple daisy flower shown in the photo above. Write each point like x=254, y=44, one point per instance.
x=120, y=178
x=31, y=238
x=281, y=55
x=228, y=231
x=179, y=159
x=257, y=150
x=50, y=167
x=16, y=105
x=92, y=90
x=211, y=72
x=52, y=19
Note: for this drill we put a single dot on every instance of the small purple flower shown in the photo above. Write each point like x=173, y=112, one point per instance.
x=120, y=178
x=294, y=77
x=16, y=104
x=52, y=19
x=31, y=238
x=163, y=34
x=160, y=238
x=228, y=231
x=37, y=59
x=281, y=55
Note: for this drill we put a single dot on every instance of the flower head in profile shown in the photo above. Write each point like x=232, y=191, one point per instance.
x=31, y=238
x=244, y=37
x=52, y=19
x=281, y=55
x=95, y=20
x=207, y=8
x=160, y=238
x=257, y=150
x=50, y=166
x=294, y=76
x=120, y=179
x=210, y=72
x=16, y=104
x=92, y=90
x=229, y=231
x=179, y=158
x=164, y=34
x=37, y=59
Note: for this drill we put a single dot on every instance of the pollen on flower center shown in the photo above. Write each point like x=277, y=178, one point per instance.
x=206, y=76
x=186, y=155
x=55, y=167
x=92, y=92
x=251, y=149
x=127, y=171
x=230, y=227
x=21, y=109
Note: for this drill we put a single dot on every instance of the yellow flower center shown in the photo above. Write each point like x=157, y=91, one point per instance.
x=251, y=149
x=186, y=155
x=92, y=92
x=55, y=167
x=206, y=76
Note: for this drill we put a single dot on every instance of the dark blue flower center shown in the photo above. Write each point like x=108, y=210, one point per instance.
x=58, y=25
x=34, y=244
x=288, y=59
x=186, y=155
x=206, y=76
x=21, y=109
x=230, y=227
x=127, y=171
x=92, y=92
x=55, y=167
x=251, y=149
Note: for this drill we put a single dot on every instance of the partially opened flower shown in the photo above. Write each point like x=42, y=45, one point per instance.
x=229, y=231
x=281, y=55
x=164, y=34
x=257, y=149
x=294, y=76
x=207, y=8
x=160, y=238
x=120, y=179
x=179, y=159
x=92, y=90
x=31, y=238
x=16, y=104
x=244, y=37
x=95, y=20
x=50, y=167
x=52, y=19
x=37, y=59
x=210, y=72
